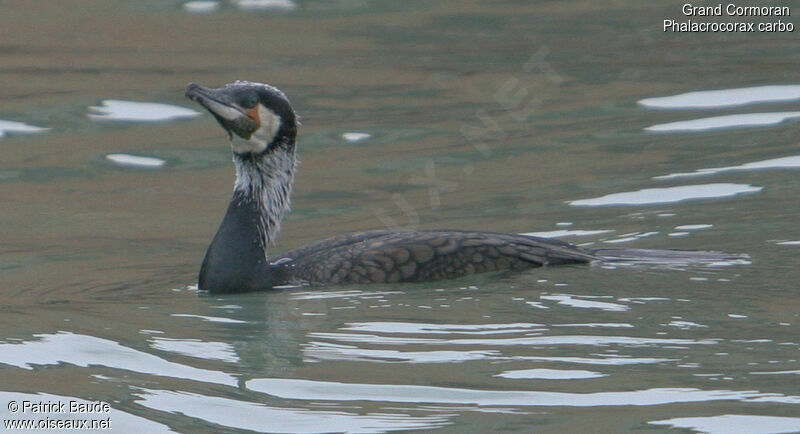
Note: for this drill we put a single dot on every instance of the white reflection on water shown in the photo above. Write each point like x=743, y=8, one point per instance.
x=85, y=351
x=316, y=350
x=743, y=120
x=570, y=300
x=135, y=160
x=201, y=6
x=316, y=295
x=684, y=325
x=120, y=420
x=347, y=347
x=651, y=196
x=617, y=360
x=778, y=398
x=693, y=227
x=266, y=5
x=355, y=137
x=792, y=162
x=734, y=424
x=643, y=300
x=621, y=240
x=133, y=111
x=776, y=372
x=725, y=97
x=526, y=340
x=259, y=417
x=466, y=329
x=597, y=325
x=215, y=319
x=335, y=391
x=18, y=127
x=566, y=233
x=550, y=374
x=633, y=236
x=197, y=348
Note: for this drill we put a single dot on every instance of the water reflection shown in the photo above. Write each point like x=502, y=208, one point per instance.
x=85, y=351
x=464, y=329
x=212, y=319
x=197, y=348
x=527, y=340
x=684, y=325
x=567, y=233
x=354, y=137
x=580, y=302
x=550, y=374
x=650, y=196
x=13, y=127
x=238, y=414
x=632, y=236
x=794, y=372
x=317, y=351
x=609, y=360
x=596, y=325
x=201, y=6
x=334, y=391
x=693, y=227
x=745, y=120
x=266, y=5
x=135, y=160
x=132, y=111
x=792, y=162
x=725, y=98
x=734, y=424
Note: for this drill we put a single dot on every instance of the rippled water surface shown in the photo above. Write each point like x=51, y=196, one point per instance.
x=580, y=120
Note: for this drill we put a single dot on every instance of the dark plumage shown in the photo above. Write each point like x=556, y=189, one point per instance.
x=421, y=256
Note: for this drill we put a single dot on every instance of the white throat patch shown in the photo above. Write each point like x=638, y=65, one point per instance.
x=269, y=122
x=268, y=181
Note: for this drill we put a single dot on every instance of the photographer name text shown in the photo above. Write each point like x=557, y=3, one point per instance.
x=59, y=407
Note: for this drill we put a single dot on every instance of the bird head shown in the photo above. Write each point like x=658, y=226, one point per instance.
x=257, y=117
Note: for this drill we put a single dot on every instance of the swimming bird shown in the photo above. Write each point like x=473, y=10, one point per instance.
x=262, y=128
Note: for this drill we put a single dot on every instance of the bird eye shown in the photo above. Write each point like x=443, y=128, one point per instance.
x=250, y=101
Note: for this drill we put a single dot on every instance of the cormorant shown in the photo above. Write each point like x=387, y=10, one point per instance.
x=262, y=128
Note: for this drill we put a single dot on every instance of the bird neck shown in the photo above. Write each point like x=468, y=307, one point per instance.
x=237, y=260
x=264, y=186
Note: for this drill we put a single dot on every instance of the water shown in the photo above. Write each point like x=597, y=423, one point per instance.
x=572, y=119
